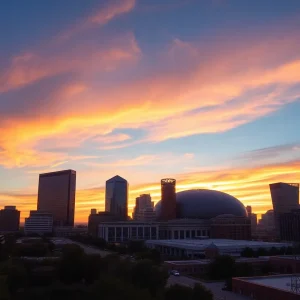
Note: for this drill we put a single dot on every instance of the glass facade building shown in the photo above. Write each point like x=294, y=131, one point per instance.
x=56, y=195
x=168, y=199
x=285, y=198
x=116, y=197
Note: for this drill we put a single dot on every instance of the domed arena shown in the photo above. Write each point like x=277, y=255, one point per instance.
x=205, y=204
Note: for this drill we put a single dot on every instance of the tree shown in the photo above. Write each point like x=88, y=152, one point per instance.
x=92, y=267
x=243, y=270
x=135, y=246
x=16, y=276
x=261, y=252
x=72, y=264
x=222, y=267
x=247, y=252
x=201, y=292
x=146, y=275
x=110, y=288
x=179, y=292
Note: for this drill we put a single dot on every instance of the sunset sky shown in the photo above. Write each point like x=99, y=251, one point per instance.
x=204, y=91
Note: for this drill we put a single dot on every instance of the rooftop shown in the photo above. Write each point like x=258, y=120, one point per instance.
x=199, y=244
x=208, y=261
x=281, y=282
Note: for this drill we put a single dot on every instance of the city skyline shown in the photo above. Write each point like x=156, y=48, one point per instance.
x=206, y=92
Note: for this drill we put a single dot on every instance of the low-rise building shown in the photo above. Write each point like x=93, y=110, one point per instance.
x=277, y=287
x=290, y=226
x=231, y=227
x=96, y=218
x=196, y=248
x=200, y=266
x=9, y=219
x=38, y=223
x=174, y=229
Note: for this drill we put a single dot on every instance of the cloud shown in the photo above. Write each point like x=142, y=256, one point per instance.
x=104, y=15
x=112, y=138
x=194, y=88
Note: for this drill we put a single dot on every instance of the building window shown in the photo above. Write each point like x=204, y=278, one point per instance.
x=187, y=234
x=182, y=234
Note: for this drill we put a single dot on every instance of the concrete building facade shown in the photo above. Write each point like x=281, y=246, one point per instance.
x=38, y=223
x=9, y=219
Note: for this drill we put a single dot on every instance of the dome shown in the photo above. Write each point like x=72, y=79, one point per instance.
x=205, y=204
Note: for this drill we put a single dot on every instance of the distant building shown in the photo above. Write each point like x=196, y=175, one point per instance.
x=144, y=209
x=168, y=199
x=285, y=198
x=116, y=197
x=9, y=219
x=38, y=223
x=96, y=219
x=253, y=219
x=93, y=211
x=231, y=227
x=56, y=195
x=290, y=226
x=267, y=221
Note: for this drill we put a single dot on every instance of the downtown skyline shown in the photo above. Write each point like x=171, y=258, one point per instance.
x=203, y=91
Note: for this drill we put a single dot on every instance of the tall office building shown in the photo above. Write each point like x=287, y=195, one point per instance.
x=168, y=199
x=9, y=219
x=116, y=197
x=285, y=198
x=56, y=195
x=144, y=209
x=253, y=218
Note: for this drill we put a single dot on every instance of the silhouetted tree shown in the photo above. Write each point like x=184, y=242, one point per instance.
x=146, y=275
x=178, y=292
x=222, y=267
x=247, y=252
x=201, y=292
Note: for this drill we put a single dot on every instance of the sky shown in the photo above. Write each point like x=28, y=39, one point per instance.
x=203, y=91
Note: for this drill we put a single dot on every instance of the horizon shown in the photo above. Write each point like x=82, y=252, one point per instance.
x=203, y=91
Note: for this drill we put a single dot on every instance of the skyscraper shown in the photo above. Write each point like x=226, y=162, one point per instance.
x=9, y=219
x=144, y=209
x=285, y=198
x=116, y=197
x=56, y=195
x=168, y=199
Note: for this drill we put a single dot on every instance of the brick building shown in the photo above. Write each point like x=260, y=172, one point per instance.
x=231, y=227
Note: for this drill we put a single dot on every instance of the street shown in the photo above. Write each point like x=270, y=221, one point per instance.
x=215, y=287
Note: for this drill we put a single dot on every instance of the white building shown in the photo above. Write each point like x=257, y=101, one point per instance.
x=38, y=223
x=174, y=229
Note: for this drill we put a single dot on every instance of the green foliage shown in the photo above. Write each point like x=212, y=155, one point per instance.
x=16, y=275
x=179, y=292
x=222, y=267
x=91, y=268
x=248, y=252
x=136, y=246
x=243, y=270
x=72, y=264
x=36, y=249
x=146, y=275
x=201, y=292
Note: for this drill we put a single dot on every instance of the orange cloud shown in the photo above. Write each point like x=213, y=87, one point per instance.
x=249, y=185
x=194, y=89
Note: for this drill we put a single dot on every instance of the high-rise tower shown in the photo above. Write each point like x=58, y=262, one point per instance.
x=116, y=197
x=285, y=198
x=56, y=195
x=168, y=199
